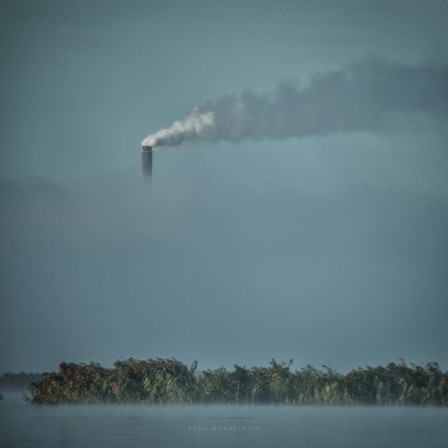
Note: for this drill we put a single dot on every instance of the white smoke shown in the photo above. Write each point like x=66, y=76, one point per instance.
x=365, y=96
x=196, y=125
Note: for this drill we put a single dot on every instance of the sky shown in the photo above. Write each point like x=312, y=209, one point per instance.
x=324, y=242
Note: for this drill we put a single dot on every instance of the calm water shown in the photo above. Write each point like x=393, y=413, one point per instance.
x=24, y=425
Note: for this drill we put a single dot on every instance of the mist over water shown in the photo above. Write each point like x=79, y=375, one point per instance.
x=221, y=426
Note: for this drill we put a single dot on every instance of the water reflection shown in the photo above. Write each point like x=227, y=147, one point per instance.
x=222, y=426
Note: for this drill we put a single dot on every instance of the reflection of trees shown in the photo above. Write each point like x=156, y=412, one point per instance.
x=171, y=381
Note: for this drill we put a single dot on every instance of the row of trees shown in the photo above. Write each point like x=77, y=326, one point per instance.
x=21, y=380
x=130, y=381
x=171, y=381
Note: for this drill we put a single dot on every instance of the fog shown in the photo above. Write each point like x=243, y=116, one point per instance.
x=269, y=261
x=328, y=249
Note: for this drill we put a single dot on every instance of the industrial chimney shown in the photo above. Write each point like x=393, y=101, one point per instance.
x=147, y=161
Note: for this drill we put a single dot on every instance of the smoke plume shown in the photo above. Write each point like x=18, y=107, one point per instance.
x=364, y=96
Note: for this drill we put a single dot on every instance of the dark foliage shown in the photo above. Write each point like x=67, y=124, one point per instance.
x=171, y=381
x=19, y=380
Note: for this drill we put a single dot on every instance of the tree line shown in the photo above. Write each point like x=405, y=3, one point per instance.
x=20, y=380
x=156, y=381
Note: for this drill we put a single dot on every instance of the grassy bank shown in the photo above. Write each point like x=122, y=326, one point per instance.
x=171, y=381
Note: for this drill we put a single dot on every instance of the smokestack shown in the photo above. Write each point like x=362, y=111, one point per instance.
x=147, y=161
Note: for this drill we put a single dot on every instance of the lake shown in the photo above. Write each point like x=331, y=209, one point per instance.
x=24, y=425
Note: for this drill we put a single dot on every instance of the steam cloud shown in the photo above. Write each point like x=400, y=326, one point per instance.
x=363, y=96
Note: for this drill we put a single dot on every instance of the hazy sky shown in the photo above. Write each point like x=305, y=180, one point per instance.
x=328, y=248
